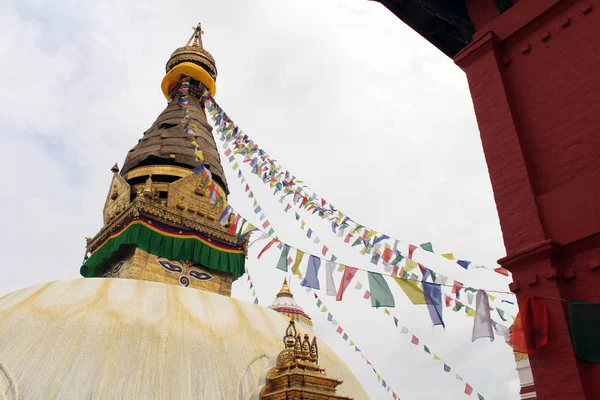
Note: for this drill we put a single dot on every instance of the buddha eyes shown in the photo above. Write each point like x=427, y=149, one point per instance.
x=169, y=266
x=200, y=275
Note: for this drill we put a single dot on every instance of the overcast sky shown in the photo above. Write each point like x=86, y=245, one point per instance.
x=345, y=95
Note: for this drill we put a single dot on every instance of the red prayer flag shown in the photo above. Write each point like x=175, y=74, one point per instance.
x=387, y=255
x=247, y=188
x=529, y=332
x=367, y=295
x=347, y=239
x=227, y=152
x=323, y=202
x=325, y=250
x=349, y=273
x=287, y=207
x=395, y=270
x=411, y=249
x=339, y=330
x=456, y=287
x=468, y=389
x=266, y=224
x=233, y=226
x=267, y=247
x=448, y=301
x=414, y=340
x=501, y=271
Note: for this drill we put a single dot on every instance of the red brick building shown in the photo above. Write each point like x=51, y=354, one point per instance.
x=533, y=68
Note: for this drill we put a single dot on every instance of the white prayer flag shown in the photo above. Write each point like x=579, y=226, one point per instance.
x=482, y=325
x=470, y=296
x=358, y=285
x=330, y=266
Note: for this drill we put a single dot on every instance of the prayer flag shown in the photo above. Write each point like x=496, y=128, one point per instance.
x=311, y=279
x=387, y=255
x=436, y=357
x=468, y=389
x=329, y=268
x=501, y=271
x=267, y=247
x=381, y=295
x=339, y=330
x=411, y=249
x=426, y=349
x=283, y=262
x=427, y=247
x=446, y=368
x=414, y=340
x=287, y=207
x=347, y=239
x=345, y=336
x=325, y=250
x=456, y=288
x=584, y=324
x=396, y=321
x=449, y=256
x=404, y=329
x=410, y=265
x=529, y=332
x=349, y=273
x=463, y=263
x=367, y=295
x=295, y=268
x=411, y=290
x=358, y=285
x=482, y=324
x=501, y=314
x=329, y=317
x=433, y=297
x=480, y=397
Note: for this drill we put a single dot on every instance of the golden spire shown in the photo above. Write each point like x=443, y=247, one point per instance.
x=192, y=60
x=297, y=373
x=285, y=290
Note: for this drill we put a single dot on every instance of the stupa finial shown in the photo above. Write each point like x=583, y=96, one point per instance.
x=196, y=38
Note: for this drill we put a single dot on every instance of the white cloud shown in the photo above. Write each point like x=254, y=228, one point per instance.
x=372, y=116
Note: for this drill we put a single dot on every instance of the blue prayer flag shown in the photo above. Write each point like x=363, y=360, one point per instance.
x=311, y=279
x=463, y=263
x=433, y=298
x=446, y=368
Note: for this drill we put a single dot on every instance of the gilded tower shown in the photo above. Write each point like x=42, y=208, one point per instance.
x=161, y=220
x=152, y=336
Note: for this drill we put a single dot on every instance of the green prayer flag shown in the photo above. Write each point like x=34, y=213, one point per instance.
x=282, y=264
x=584, y=324
x=457, y=306
x=426, y=349
x=250, y=194
x=381, y=295
x=319, y=303
x=333, y=258
x=480, y=397
x=501, y=314
x=297, y=217
x=271, y=232
x=345, y=337
x=427, y=246
x=398, y=258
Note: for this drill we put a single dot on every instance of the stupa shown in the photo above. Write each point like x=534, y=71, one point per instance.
x=153, y=317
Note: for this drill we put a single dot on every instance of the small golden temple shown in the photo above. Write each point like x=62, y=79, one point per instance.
x=153, y=316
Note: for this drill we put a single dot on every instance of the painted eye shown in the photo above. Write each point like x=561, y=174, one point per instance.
x=201, y=275
x=118, y=267
x=169, y=266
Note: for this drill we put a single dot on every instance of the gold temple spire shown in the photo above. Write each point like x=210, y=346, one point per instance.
x=196, y=37
x=285, y=290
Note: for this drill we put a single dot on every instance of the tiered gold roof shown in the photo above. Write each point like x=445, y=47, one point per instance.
x=297, y=374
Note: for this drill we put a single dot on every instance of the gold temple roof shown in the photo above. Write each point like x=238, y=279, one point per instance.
x=285, y=304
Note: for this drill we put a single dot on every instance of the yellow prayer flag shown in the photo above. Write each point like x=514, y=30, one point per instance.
x=324, y=309
x=385, y=310
x=363, y=251
x=247, y=229
x=255, y=202
x=449, y=256
x=235, y=166
x=410, y=265
x=470, y=312
x=295, y=267
x=369, y=235
x=351, y=343
x=341, y=268
x=378, y=378
x=492, y=298
x=411, y=290
x=435, y=357
x=302, y=225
